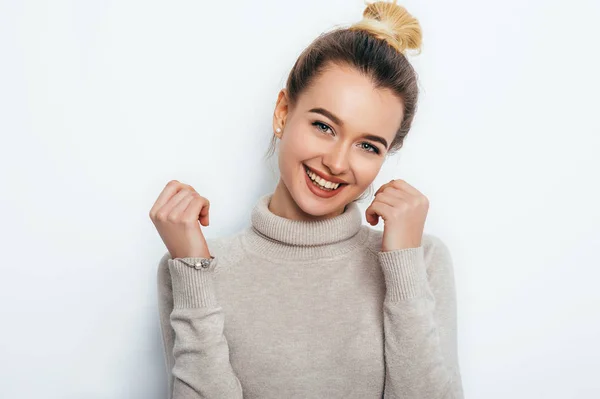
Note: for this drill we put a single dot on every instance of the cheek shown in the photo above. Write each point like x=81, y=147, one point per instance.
x=365, y=165
x=297, y=143
x=366, y=172
x=291, y=153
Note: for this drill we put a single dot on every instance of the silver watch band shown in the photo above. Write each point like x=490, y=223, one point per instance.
x=198, y=263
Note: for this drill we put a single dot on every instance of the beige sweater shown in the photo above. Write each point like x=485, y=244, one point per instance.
x=298, y=309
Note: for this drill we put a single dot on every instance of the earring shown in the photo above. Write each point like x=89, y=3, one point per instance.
x=278, y=130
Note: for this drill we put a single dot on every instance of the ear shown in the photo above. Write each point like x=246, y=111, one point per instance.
x=280, y=113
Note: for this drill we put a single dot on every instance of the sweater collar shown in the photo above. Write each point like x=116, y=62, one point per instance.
x=273, y=236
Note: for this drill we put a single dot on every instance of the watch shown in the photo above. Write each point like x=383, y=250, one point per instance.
x=198, y=263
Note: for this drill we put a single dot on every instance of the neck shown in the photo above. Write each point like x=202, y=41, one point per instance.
x=282, y=204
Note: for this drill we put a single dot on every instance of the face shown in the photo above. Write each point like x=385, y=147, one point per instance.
x=340, y=129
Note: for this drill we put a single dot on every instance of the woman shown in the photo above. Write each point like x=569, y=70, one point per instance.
x=308, y=302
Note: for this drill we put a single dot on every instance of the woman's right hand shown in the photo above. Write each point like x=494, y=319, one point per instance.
x=175, y=215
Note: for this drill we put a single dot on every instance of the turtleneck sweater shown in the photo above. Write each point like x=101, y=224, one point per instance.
x=310, y=309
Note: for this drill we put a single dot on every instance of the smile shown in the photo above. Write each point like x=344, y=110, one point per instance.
x=320, y=182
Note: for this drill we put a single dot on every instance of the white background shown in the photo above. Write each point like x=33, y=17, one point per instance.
x=103, y=102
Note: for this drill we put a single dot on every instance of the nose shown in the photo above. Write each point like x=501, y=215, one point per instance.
x=336, y=159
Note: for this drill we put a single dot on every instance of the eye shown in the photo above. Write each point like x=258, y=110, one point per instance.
x=372, y=147
x=319, y=124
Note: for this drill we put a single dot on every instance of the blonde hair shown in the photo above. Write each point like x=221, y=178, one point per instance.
x=392, y=23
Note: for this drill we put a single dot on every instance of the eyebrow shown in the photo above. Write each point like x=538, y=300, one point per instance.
x=340, y=123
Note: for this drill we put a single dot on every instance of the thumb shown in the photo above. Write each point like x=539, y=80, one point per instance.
x=371, y=216
x=204, y=215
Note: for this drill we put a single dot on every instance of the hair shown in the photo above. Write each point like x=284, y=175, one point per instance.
x=374, y=46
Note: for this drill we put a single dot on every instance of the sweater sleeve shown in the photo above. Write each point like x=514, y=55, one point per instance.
x=419, y=316
x=192, y=324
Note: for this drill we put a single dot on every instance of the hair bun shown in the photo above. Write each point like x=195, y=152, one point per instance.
x=392, y=23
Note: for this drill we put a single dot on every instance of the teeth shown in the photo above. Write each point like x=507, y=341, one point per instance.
x=322, y=182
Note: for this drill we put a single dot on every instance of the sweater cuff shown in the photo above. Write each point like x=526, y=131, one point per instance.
x=404, y=273
x=192, y=287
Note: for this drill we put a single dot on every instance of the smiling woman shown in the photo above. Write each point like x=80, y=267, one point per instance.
x=307, y=301
x=360, y=84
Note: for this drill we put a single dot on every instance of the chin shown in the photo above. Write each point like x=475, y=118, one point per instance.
x=314, y=207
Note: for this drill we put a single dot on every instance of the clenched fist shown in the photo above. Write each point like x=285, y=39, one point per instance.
x=175, y=214
x=403, y=209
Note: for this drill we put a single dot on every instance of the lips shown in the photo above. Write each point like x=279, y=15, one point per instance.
x=320, y=192
x=325, y=177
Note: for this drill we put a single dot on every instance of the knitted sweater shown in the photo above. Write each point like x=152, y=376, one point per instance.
x=310, y=309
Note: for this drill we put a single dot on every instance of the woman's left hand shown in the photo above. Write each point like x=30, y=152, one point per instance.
x=403, y=209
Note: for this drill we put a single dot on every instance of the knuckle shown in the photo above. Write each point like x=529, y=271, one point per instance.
x=173, y=218
x=188, y=222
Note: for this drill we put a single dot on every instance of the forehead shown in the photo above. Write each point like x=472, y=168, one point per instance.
x=352, y=97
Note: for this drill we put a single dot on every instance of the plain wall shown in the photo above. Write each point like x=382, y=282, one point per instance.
x=103, y=102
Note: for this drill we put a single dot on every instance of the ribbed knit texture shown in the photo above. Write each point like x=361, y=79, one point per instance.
x=295, y=240
x=404, y=273
x=188, y=289
x=310, y=309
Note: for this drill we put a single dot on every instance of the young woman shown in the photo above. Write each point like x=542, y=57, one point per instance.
x=307, y=302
